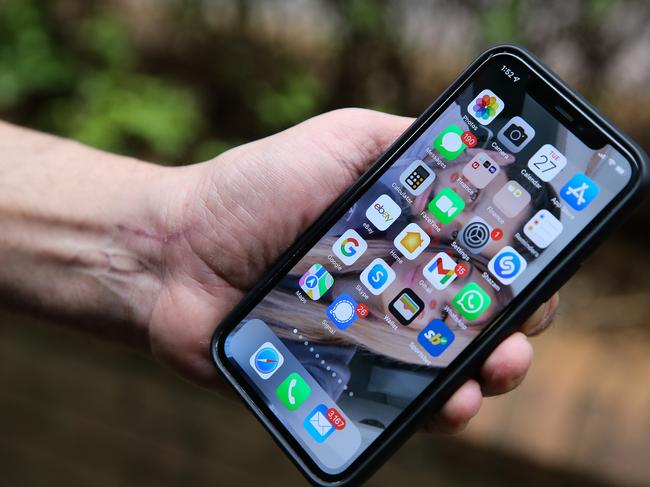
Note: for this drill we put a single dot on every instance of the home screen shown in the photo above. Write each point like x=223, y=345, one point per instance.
x=471, y=209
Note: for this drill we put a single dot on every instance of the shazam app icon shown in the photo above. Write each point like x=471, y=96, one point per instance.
x=507, y=265
x=342, y=311
x=349, y=247
x=266, y=360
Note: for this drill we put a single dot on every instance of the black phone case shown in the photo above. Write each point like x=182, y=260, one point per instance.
x=467, y=364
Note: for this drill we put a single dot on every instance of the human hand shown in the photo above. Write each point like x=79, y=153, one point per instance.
x=227, y=220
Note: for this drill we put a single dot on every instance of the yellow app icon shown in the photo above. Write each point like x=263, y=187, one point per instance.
x=411, y=241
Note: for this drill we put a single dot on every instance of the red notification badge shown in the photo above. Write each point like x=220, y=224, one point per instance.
x=469, y=139
x=461, y=269
x=362, y=310
x=336, y=419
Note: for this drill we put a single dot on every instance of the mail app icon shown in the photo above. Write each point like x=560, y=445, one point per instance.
x=317, y=424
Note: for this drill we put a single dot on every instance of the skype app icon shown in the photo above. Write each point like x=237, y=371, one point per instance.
x=377, y=276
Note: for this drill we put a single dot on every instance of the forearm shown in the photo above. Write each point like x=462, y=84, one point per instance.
x=81, y=232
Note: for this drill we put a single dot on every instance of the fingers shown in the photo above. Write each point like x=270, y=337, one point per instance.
x=542, y=318
x=507, y=366
x=456, y=413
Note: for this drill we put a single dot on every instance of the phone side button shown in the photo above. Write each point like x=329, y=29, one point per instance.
x=558, y=282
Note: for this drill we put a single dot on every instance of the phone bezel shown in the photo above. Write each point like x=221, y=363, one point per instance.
x=466, y=364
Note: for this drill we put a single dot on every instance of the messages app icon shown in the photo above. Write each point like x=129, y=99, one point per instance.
x=446, y=206
x=450, y=143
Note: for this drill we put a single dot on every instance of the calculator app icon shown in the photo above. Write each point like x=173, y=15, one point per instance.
x=417, y=177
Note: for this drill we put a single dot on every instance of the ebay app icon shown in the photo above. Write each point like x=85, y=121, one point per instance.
x=383, y=212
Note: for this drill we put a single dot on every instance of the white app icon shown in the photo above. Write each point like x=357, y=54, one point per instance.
x=349, y=247
x=417, y=177
x=485, y=107
x=383, y=212
x=516, y=134
x=377, y=276
x=440, y=271
x=266, y=360
x=547, y=162
x=507, y=265
x=412, y=241
x=543, y=228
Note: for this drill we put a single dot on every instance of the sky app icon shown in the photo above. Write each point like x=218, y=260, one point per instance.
x=579, y=192
x=383, y=212
x=435, y=338
x=377, y=276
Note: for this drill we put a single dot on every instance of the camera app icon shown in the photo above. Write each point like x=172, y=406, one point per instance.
x=516, y=134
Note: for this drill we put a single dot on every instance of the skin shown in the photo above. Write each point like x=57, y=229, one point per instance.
x=155, y=257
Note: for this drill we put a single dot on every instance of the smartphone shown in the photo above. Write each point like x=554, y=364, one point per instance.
x=481, y=210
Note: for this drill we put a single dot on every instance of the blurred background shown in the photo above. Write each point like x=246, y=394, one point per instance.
x=178, y=82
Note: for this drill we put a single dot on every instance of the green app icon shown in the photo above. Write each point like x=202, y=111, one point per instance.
x=449, y=142
x=293, y=391
x=446, y=206
x=471, y=301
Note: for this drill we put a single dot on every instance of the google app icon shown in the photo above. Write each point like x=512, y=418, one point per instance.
x=349, y=247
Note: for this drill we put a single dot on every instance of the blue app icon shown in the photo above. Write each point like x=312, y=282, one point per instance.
x=435, y=338
x=342, y=311
x=317, y=424
x=579, y=192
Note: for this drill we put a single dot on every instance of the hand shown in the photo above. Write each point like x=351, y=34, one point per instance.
x=227, y=220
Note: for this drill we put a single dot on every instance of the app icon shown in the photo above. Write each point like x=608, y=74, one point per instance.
x=266, y=360
x=475, y=235
x=435, y=338
x=471, y=301
x=349, y=247
x=406, y=306
x=317, y=424
x=511, y=199
x=440, y=271
x=446, y=206
x=342, y=311
x=543, y=228
x=516, y=134
x=579, y=192
x=383, y=212
x=547, y=162
x=377, y=276
x=485, y=107
x=449, y=142
x=417, y=177
x=480, y=170
x=316, y=281
x=411, y=241
x=293, y=391
x=507, y=265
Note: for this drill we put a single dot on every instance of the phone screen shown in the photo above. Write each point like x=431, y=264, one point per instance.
x=463, y=217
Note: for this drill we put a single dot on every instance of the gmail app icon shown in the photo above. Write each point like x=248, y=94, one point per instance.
x=317, y=424
x=440, y=271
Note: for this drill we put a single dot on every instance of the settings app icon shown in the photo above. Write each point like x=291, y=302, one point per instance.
x=475, y=235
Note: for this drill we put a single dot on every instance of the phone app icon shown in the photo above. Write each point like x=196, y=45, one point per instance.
x=412, y=241
x=446, y=206
x=475, y=235
x=472, y=301
x=485, y=107
x=266, y=360
x=293, y=391
x=511, y=199
x=406, y=306
x=440, y=271
x=342, y=311
x=435, y=338
x=450, y=142
x=383, y=212
x=543, y=228
x=516, y=134
x=377, y=276
x=417, y=177
x=481, y=170
x=547, y=162
x=318, y=425
x=349, y=247
x=316, y=281
x=579, y=192
x=507, y=265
